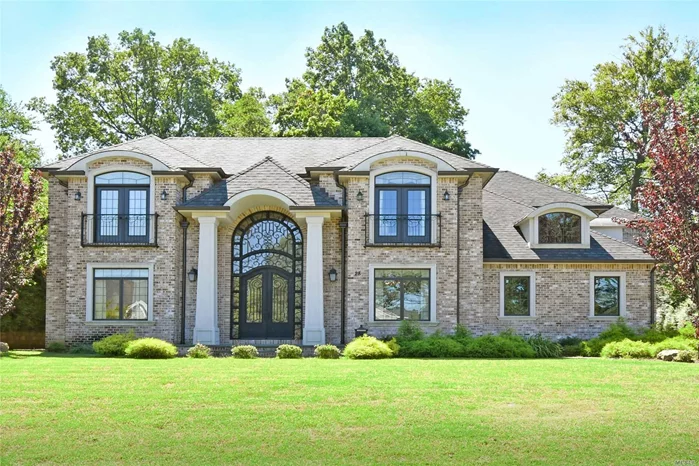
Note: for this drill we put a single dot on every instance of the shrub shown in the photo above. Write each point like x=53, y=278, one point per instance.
x=327, y=352
x=505, y=345
x=393, y=346
x=653, y=335
x=628, y=349
x=4, y=347
x=618, y=331
x=409, y=331
x=113, y=345
x=199, y=351
x=686, y=356
x=678, y=343
x=366, y=347
x=545, y=348
x=244, y=352
x=435, y=346
x=289, y=352
x=571, y=346
x=687, y=331
x=150, y=348
x=56, y=347
x=81, y=349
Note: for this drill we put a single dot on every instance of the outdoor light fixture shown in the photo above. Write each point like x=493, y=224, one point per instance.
x=77, y=195
x=332, y=274
x=360, y=196
x=193, y=275
x=163, y=195
x=361, y=331
x=446, y=195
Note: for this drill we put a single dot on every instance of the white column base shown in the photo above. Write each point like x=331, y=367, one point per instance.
x=206, y=336
x=313, y=336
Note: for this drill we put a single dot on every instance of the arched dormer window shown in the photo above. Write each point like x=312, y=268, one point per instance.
x=402, y=207
x=560, y=228
x=122, y=207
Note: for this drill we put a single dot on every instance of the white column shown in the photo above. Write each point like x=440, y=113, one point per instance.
x=314, y=326
x=206, y=317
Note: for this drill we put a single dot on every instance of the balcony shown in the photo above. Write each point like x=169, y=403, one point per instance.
x=119, y=230
x=403, y=230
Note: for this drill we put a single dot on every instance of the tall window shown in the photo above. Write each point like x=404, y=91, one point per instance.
x=122, y=207
x=401, y=294
x=402, y=208
x=607, y=296
x=517, y=294
x=120, y=294
x=560, y=228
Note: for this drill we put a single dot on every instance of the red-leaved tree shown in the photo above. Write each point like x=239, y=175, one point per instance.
x=19, y=224
x=670, y=198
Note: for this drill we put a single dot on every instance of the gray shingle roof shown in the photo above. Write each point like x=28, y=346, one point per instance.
x=510, y=197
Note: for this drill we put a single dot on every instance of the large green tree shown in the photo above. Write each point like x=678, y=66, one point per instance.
x=116, y=92
x=15, y=126
x=607, y=139
x=247, y=116
x=357, y=87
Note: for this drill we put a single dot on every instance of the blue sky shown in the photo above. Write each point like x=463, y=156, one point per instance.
x=509, y=59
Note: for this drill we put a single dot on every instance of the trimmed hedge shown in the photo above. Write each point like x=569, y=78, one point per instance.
x=289, y=352
x=150, y=348
x=366, y=347
x=327, y=352
x=114, y=345
x=199, y=351
x=244, y=352
x=628, y=349
x=505, y=345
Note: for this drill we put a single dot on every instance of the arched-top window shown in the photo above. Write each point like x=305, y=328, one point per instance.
x=560, y=228
x=402, y=208
x=122, y=207
x=267, y=277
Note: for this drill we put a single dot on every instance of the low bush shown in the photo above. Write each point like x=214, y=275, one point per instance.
x=545, y=348
x=687, y=331
x=199, y=351
x=678, y=343
x=56, y=347
x=327, y=352
x=435, y=346
x=244, y=352
x=628, y=349
x=114, y=345
x=571, y=346
x=150, y=348
x=409, y=331
x=686, y=356
x=505, y=345
x=618, y=331
x=81, y=349
x=289, y=352
x=393, y=346
x=366, y=347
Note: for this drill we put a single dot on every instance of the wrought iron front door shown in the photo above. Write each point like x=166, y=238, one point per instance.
x=267, y=304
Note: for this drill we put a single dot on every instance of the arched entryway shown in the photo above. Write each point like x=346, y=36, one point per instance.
x=267, y=288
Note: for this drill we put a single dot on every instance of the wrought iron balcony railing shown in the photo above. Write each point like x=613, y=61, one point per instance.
x=403, y=230
x=119, y=230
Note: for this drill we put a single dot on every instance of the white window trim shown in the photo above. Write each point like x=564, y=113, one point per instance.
x=532, y=294
x=90, y=298
x=91, y=174
x=405, y=168
x=622, y=294
x=433, y=290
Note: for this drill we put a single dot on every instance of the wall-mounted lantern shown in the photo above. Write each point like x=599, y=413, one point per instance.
x=360, y=332
x=332, y=275
x=193, y=275
x=163, y=195
x=360, y=196
x=77, y=195
x=446, y=195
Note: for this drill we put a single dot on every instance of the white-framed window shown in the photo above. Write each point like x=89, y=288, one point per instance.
x=517, y=295
x=607, y=294
x=403, y=292
x=119, y=292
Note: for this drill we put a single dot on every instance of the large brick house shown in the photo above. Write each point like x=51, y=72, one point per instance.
x=230, y=240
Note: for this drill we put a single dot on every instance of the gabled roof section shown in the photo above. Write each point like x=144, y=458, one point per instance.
x=267, y=174
x=398, y=144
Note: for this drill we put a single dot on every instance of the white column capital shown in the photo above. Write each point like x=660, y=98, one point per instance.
x=208, y=220
x=318, y=220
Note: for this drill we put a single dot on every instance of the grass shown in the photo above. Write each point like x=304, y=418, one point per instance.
x=91, y=410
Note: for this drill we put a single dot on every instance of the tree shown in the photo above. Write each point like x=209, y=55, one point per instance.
x=15, y=126
x=247, y=116
x=113, y=93
x=357, y=87
x=671, y=196
x=607, y=140
x=20, y=222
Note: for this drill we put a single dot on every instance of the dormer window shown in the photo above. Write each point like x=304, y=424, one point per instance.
x=560, y=228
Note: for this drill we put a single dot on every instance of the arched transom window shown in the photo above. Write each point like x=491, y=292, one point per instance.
x=122, y=208
x=560, y=228
x=402, y=208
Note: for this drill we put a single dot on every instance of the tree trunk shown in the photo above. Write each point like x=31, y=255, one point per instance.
x=636, y=182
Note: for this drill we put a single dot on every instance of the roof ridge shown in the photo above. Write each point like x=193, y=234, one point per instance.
x=163, y=141
x=508, y=198
x=247, y=170
x=287, y=171
x=442, y=150
x=619, y=241
x=325, y=164
x=554, y=187
x=276, y=137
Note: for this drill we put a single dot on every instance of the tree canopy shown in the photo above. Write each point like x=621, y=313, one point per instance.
x=15, y=126
x=357, y=87
x=607, y=139
x=116, y=92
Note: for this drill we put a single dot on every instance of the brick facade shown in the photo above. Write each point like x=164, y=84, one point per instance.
x=467, y=289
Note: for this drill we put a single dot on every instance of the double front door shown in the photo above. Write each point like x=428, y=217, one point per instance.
x=266, y=307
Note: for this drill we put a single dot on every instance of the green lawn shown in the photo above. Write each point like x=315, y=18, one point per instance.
x=89, y=410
